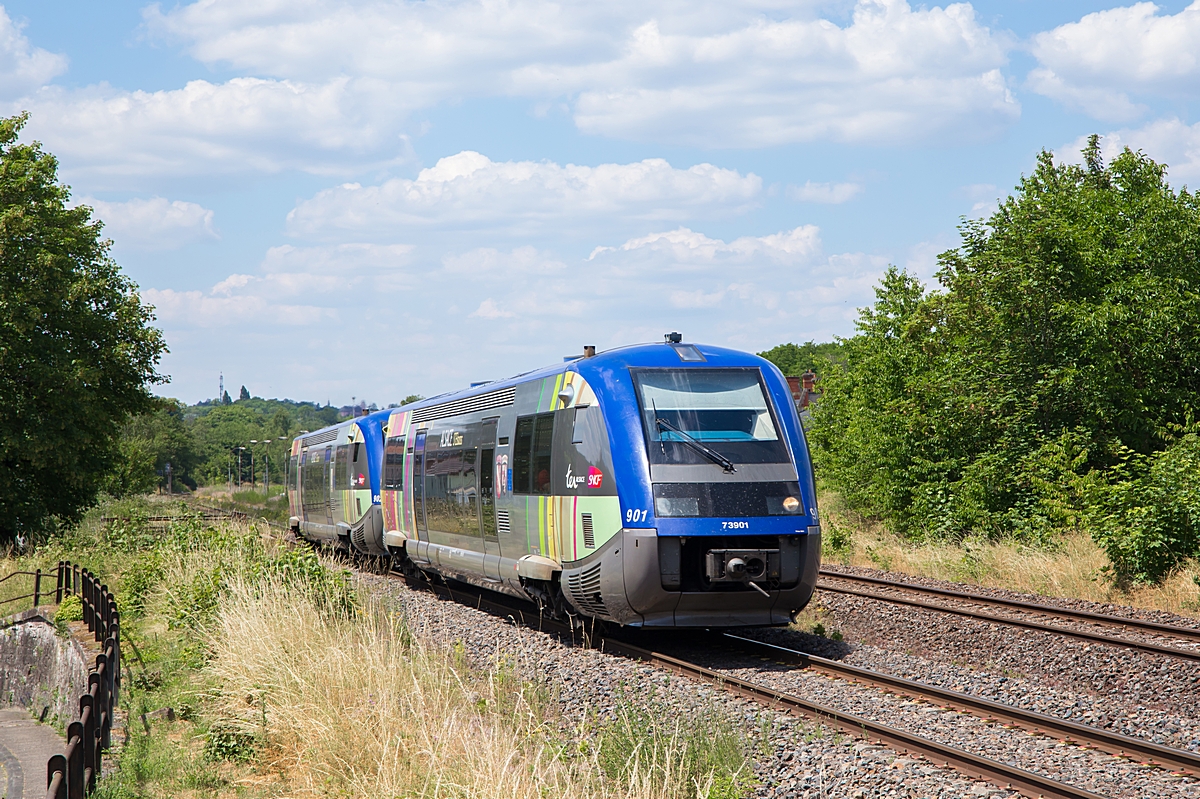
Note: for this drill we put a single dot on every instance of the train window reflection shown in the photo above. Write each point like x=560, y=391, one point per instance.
x=706, y=404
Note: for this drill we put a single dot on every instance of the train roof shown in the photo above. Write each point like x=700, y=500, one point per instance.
x=658, y=354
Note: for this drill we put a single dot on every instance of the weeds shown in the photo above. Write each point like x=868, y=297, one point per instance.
x=288, y=678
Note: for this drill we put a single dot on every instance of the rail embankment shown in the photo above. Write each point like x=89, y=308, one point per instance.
x=258, y=668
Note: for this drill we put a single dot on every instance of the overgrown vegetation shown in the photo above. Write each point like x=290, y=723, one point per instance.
x=289, y=677
x=1048, y=387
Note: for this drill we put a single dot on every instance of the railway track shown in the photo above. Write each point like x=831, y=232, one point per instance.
x=1081, y=617
x=968, y=763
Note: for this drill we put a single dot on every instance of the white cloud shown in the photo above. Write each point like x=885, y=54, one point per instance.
x=706, y=74
x=470, y=190
x=1096, y=63
x=489, y=310
x=1168, y=141
x=154, y=224
x=23, y=67
x=113, y=138
x=828, y=193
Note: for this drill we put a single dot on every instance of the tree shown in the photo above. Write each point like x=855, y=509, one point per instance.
x=225, y=400
x=1059, y=355
x=148, y=443
x=794, y=359
x=244, y=395
x=77, y=349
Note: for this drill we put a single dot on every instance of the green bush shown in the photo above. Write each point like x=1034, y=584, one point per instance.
x=1150, y=523
x=70, y=609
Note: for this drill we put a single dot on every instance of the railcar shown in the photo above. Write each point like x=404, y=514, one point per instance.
x=656, y=485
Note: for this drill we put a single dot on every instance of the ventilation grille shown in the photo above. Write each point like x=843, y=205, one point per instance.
x=589, y=534
x=585, y=590
x=319, y=438
x=358, y=537
x=480, y=402
x=502, y=527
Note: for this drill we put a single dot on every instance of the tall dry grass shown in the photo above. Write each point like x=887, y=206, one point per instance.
x=1074, y=568
x=355, y=706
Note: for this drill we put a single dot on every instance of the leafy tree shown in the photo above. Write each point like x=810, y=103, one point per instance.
x=1064, y=340
x=244, y=395
x=794, y=359
x=225, y=399
x=148, y=443
x=77, y=349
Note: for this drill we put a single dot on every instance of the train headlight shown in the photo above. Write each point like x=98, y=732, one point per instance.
x=791, y=504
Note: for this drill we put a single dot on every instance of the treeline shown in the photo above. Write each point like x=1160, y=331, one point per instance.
x=201, y=442
x=1047, y=385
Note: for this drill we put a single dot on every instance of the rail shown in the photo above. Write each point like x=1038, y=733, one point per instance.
x=37, y=586
x=1105, y=619
x=73, y=774
x=1097, y=638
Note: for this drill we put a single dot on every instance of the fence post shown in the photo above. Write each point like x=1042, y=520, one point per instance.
x=86, y=596
x=75, y=760
x=104, y=717
x=56, y=777
x=58, y=588
x=86, y=717
x=75, y=579
x=37, y=587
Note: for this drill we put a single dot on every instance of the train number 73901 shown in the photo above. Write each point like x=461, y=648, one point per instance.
x=735, y=525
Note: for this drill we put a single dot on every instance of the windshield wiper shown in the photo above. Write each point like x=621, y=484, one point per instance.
x=707, y=452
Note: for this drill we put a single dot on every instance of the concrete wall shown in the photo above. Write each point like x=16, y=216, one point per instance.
x=41, y=671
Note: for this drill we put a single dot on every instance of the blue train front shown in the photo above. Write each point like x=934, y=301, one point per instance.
x=654, y=485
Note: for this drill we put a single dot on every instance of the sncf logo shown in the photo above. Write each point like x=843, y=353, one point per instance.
x=595, y=477
x=593, y=480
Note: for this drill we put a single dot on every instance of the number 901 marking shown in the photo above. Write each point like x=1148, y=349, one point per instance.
x=635, y=515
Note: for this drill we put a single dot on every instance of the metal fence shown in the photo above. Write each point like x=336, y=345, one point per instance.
x=36, y=596
x=73, y=775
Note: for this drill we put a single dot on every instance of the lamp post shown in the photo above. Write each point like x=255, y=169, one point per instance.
x=239, y=449
x=253, y=482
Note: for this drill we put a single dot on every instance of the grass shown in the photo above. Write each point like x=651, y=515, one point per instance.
x=251, y=501
x=1074, y=568
x=288, y=677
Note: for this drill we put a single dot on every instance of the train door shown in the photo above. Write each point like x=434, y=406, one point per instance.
x=330, y=474
x=487, y=500
x=418, y=486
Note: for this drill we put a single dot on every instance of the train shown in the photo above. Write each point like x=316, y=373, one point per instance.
x=652, y=485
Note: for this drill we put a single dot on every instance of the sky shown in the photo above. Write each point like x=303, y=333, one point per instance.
x=331, y=200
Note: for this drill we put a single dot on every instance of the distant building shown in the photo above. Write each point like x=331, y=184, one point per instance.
x=804, y=392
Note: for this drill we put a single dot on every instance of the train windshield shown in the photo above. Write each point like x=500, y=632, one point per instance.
x=723, y=410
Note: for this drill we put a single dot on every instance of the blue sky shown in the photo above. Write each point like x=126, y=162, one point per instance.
x=333, y=199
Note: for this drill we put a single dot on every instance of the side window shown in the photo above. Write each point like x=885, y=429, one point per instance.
x=523, y=456
x=579, y=426
x=341, y=480
x=358, y=466
x=543, y=440
x=393, y=464
x=531, y=454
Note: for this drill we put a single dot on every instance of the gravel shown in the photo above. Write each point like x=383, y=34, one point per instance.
x=1096, y=771
x=1151, y=696
x=795, y=758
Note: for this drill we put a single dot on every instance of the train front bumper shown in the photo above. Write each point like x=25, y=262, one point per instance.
x=631, y=580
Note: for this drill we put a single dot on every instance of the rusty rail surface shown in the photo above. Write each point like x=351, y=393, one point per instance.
x=73, y=775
